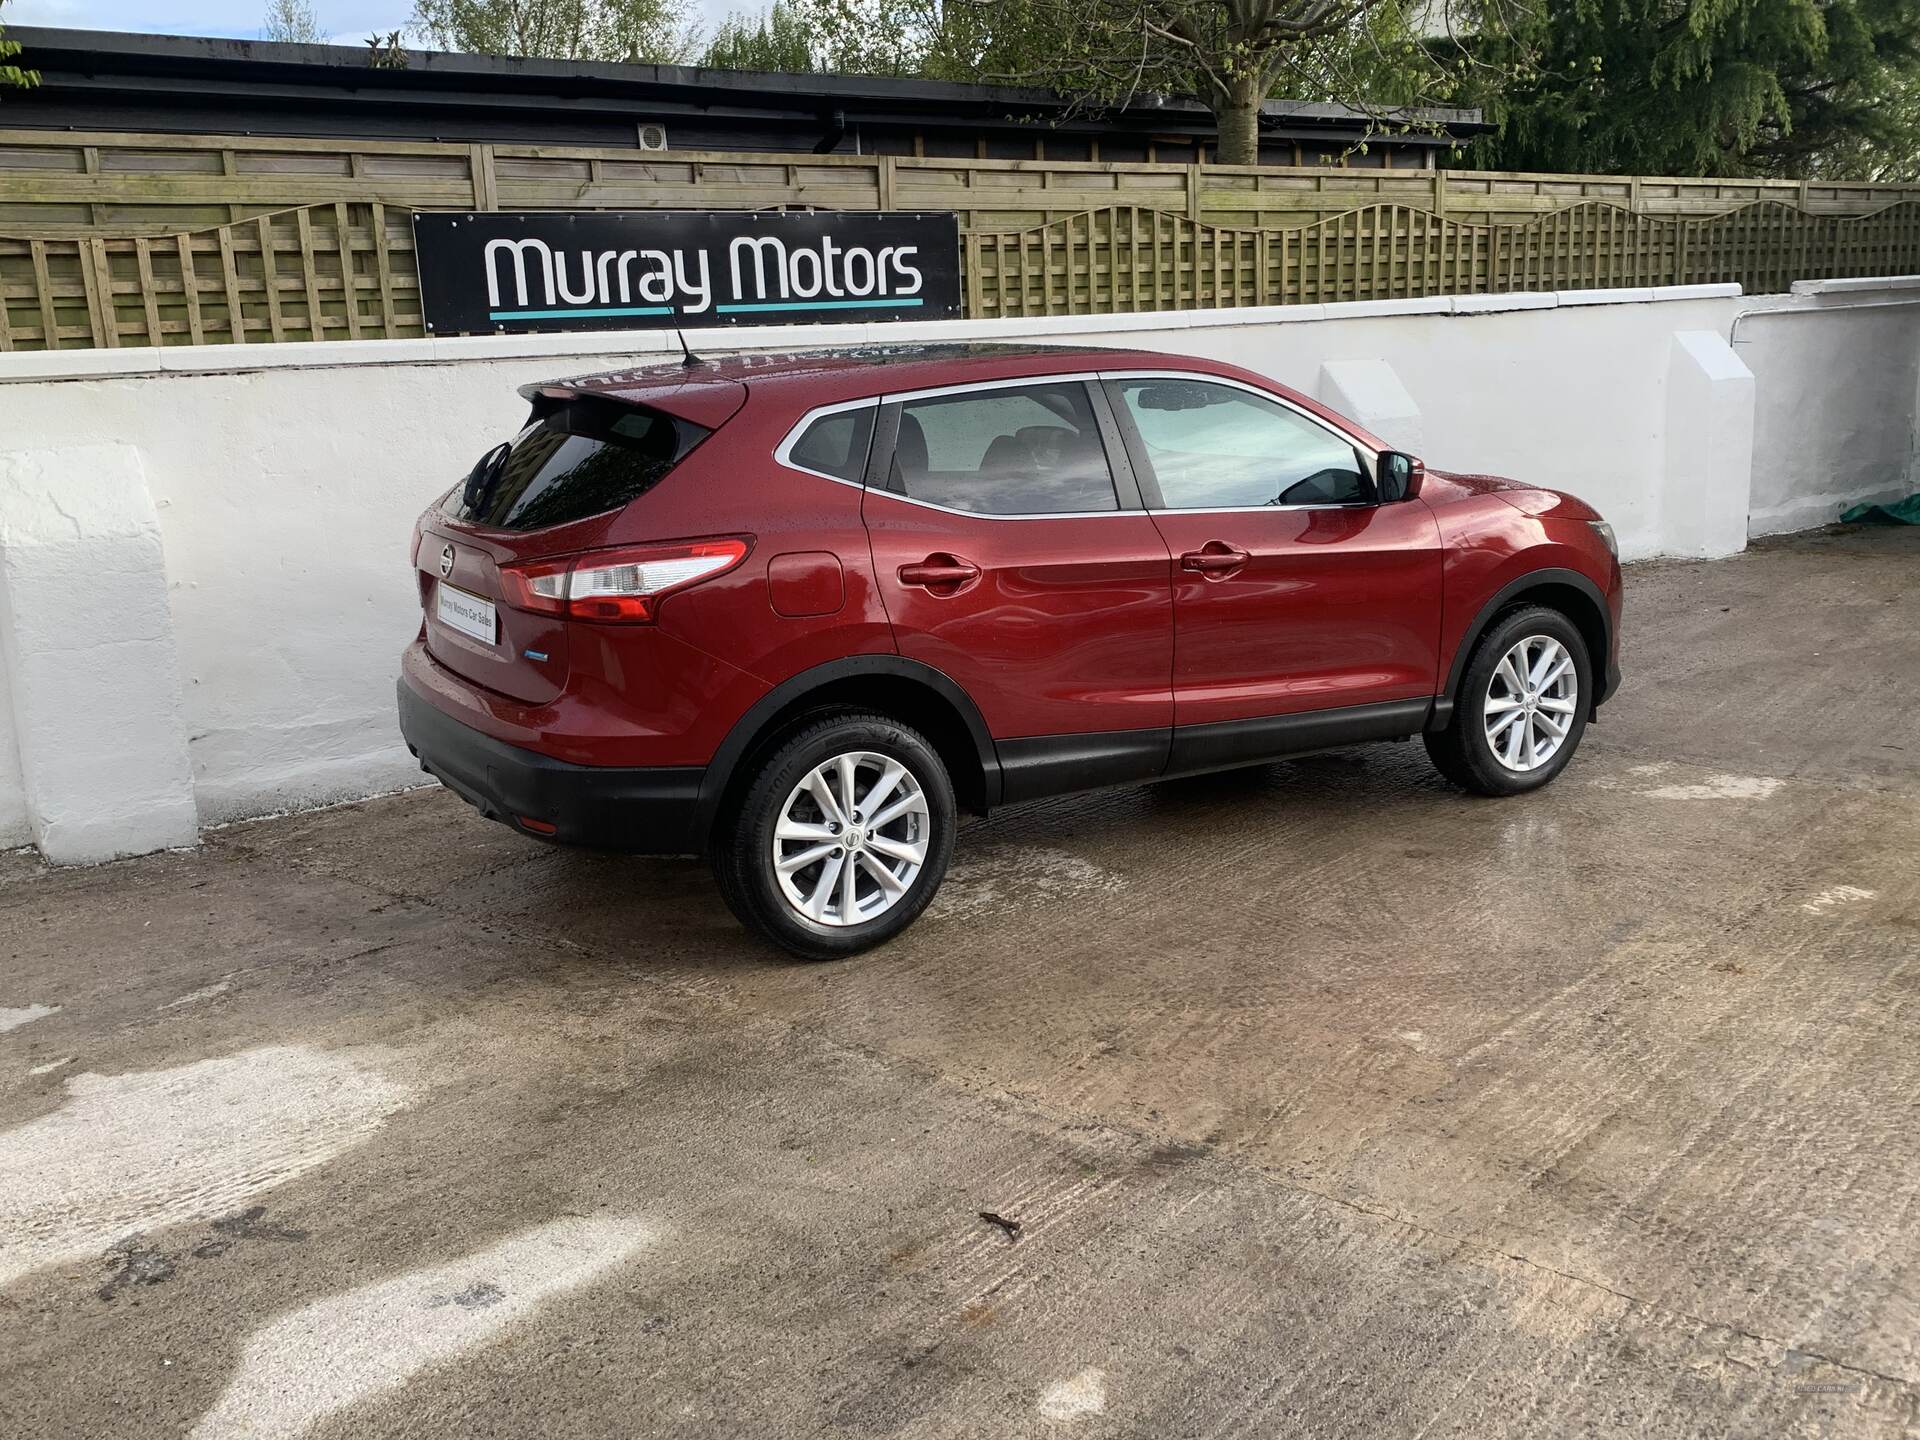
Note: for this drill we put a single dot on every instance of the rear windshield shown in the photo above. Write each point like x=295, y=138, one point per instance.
x=582, y=457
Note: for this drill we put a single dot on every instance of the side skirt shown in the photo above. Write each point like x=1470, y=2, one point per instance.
x=1063, y=764
x=1043, y=765
x=1270, y=737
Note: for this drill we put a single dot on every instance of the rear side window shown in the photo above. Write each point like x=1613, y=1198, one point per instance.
x=1018, y=450
x=835, y=444
x=584, y=457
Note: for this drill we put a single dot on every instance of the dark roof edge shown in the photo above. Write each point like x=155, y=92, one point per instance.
x=120, y=52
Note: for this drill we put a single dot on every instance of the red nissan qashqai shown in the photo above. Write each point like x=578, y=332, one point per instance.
x=794, y=612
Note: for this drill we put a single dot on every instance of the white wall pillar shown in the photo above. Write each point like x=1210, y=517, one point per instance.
x=1709, y=460
x=1370, y=392
x=87, y=639
x=13, y=795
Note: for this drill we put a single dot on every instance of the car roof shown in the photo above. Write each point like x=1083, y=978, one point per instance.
x=827, y=376
x=709, y=390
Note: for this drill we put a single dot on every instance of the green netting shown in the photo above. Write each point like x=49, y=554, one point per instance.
x=1900, y=512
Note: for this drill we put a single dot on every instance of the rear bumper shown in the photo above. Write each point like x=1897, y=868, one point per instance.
x=645, y=811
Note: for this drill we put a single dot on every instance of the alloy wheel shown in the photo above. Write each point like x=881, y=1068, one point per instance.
x=851, y=838
x=1531, y=703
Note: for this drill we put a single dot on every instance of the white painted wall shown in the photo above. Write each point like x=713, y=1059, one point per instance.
x=1703, y=496
x=87, y=636
x=14, y=829
x=286, y=478
x=1837, y=407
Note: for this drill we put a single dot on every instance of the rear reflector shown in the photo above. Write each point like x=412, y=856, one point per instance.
x=538, y=827
x=623, y=586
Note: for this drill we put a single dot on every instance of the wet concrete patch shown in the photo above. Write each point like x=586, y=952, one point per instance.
x=133, y=1152
x=326, y=1357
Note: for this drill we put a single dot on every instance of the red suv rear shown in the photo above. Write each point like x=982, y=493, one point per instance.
x=794, y=612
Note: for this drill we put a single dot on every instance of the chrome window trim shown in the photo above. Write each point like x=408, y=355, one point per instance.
x=783, y=452
x=1369, y=456
x=1032, y=515
x=1268, y=509
x=1373, y=456
x=901, y=397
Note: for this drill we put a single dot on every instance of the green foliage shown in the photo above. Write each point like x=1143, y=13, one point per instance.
x=15, y=75
x=385, y=52
x=1706, y=87
x=1882, y=143
x=778, y=40
x=656, y=31
x=875, y=37
x=293, y=22
x=1775, y=87
x=1101, y=54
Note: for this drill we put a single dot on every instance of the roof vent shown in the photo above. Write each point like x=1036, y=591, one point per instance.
x=653, y=137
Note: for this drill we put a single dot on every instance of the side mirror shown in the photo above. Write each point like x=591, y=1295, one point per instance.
x=1399, y=476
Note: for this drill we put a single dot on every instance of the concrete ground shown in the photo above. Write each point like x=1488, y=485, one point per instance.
x=1328, y=1100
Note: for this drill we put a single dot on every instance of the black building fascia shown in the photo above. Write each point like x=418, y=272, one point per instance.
x=107, y=81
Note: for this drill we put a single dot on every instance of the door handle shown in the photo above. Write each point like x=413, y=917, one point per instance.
x=1217, y=558
x=940, y=570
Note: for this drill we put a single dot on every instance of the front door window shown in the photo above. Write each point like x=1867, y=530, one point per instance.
x=1216, y=447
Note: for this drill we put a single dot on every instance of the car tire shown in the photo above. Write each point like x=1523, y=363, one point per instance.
x=1499, y=739
x=785, y=849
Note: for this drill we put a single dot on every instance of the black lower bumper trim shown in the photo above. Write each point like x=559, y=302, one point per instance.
x=645, y=811
x=1609, y=685
x=1222, y=744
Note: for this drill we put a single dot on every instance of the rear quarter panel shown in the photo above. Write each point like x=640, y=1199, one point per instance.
x=806, y=523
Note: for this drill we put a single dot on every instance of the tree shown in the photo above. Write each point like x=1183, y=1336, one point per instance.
x=650, y=31
x=1714, y=87
x=14, y=75
x=292, y=21
x=1230, y=54
x=1886, y=145
x=779, y=40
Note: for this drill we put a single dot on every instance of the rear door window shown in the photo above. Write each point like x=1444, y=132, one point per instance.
x=1015, y=450
x=583, y=457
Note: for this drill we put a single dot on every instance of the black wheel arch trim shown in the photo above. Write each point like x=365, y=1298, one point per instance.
x=1503, y=599
x=750, y=727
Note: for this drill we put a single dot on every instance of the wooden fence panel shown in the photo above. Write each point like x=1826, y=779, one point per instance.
x=334, y=272
x=344, y=269
x=1397, y=251
x=168, y=183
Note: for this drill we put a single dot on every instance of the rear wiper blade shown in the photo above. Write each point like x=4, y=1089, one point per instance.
x=481, y=479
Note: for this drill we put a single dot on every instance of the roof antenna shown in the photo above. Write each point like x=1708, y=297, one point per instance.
x=687, y=357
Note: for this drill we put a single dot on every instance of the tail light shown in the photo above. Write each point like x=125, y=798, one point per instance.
x=618, y=586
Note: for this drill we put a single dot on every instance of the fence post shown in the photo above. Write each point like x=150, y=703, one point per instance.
x=486, y=194
x=106, y=325
x=383, y=267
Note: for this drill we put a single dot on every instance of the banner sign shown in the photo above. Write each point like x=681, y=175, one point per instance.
x=488, y=272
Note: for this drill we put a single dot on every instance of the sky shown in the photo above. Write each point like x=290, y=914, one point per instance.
x=348, y=22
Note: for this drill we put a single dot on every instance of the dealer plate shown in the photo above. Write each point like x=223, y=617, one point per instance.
x=469, y=614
